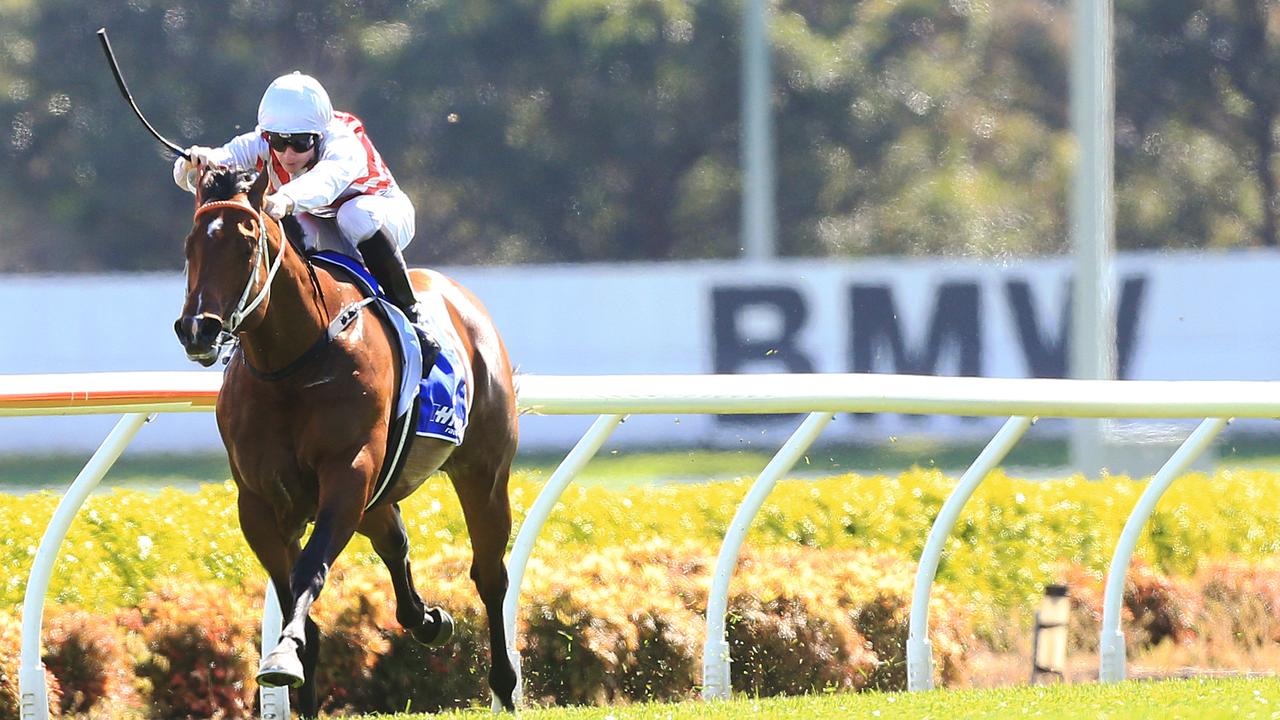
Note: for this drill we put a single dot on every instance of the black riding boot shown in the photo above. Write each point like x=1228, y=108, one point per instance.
x=382, y=257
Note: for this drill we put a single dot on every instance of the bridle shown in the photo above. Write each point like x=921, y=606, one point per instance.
x=246, y=306
x=227, y=338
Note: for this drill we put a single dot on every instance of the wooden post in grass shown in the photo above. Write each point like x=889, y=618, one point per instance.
x=1049, y=644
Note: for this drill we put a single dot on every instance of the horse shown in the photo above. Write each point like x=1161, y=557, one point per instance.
x=304, y=414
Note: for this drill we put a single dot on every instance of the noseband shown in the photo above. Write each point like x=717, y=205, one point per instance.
x=260, y=254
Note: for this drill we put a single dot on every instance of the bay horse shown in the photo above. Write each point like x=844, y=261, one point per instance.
x=304, y=414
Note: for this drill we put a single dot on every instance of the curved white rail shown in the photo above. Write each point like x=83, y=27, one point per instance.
x=919, y=654
x=612, y=397
x=1111, y=647
x=31, y=683
x=715, y=651
x=273, y=701
x=527, y=538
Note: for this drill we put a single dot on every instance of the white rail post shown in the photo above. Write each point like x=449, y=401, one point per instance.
x=919, y=653
x=572, y=464
x=273, y=701
x=715, y=651
x=1112, y=665
x=31, y=679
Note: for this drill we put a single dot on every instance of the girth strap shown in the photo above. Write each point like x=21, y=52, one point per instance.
x=340, y=322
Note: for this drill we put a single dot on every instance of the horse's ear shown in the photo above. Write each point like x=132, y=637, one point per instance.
x=199, y=189
x=258, y=190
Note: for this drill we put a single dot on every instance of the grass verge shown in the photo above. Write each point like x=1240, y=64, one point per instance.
x=1198, y=699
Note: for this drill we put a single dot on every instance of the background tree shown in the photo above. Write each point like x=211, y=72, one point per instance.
x=593, y=130
x=1196, y=108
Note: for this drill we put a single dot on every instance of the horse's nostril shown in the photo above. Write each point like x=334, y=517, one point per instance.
x=198, y=333
x=208, y=328
x=185, y=328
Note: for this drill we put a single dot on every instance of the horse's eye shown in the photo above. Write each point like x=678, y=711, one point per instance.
x=245, y=240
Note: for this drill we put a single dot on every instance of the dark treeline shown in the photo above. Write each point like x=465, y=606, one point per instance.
x=581, y=130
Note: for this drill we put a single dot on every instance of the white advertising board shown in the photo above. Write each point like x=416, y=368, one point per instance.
x=1180, y=316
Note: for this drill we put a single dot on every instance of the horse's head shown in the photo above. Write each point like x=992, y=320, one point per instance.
x=227, y=265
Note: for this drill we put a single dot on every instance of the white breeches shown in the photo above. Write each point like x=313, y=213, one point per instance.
x=357, y=220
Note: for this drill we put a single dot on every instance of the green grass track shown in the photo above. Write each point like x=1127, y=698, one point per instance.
x=1195, y=699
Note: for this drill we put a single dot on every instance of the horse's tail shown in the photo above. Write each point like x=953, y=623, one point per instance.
x=516, y=376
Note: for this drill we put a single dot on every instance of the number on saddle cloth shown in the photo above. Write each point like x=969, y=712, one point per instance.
x=442, y=387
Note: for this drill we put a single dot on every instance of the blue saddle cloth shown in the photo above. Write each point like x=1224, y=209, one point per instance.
x=442, y=410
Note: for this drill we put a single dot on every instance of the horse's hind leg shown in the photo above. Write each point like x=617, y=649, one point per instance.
x=384, y=527
x=483, y=494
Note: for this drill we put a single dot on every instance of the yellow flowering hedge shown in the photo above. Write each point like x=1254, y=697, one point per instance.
x=1011, y=539
x=613, y=600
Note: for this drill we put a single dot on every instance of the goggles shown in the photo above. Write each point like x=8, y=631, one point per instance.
x=300, y=142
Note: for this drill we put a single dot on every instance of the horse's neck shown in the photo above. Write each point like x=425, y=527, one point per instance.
x=296, y=314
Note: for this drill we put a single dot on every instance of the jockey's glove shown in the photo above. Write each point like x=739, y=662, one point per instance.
x=186, y=171
x=277, y=205
x=200, y=155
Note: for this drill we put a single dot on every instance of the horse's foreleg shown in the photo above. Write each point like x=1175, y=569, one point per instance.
x=338, y=513
x=277, y=554
x=488, y=514
x=385, y=529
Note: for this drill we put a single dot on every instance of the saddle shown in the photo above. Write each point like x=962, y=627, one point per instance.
x=434, y=403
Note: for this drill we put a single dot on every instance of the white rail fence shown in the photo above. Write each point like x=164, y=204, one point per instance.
x=140, y=396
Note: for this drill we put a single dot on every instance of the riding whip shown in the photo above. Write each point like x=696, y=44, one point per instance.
x=124, y=90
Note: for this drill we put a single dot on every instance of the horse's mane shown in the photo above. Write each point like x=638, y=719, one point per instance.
x=224, y=184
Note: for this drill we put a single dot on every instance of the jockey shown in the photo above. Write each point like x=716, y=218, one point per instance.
x=324, y=169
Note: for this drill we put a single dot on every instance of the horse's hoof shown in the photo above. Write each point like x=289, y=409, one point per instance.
x=502, y=704
x=437, y=632
x=280, y=668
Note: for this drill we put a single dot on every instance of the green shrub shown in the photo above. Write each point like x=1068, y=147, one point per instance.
x=410, y=677
x=666, y=664
x=790, y=645
x=616, y=624
x=577, y=635
x=421, y=679
x=1158, y=607
x=1244, y=594
x=10, y=660
x=1154, y=608
x=200, y=650
x=88, y=657
x=614, y=599
x=876, y=592
x=352, y=611
x=123, y=541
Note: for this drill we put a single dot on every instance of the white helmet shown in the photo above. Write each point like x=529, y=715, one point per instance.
x=294, y=103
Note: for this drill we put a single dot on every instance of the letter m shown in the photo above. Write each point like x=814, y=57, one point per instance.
x=876, y=329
